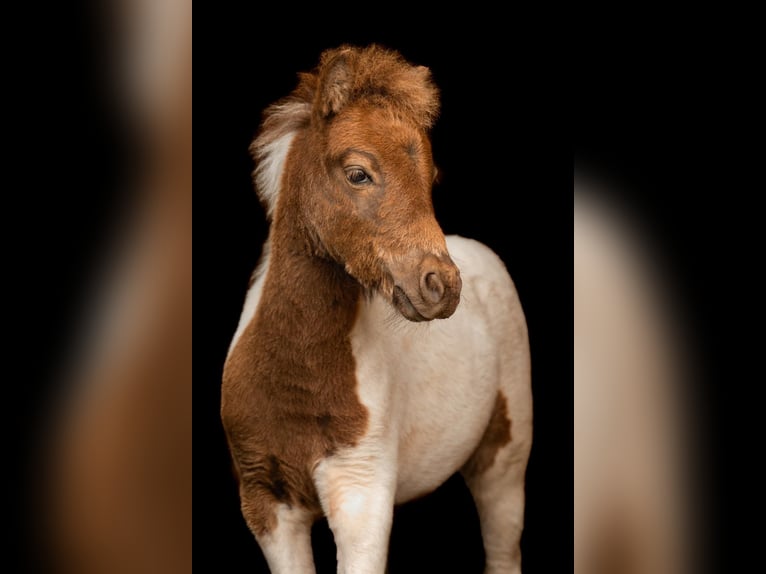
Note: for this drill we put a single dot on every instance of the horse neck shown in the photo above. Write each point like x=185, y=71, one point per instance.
x=307, y=298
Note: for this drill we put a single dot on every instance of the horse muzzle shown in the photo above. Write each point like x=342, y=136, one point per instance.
x=431, y=291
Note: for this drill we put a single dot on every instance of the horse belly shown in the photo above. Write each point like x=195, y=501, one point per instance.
x=446, y=405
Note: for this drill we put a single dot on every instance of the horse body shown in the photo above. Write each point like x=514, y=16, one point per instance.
x=431, y=388
x=335, y=404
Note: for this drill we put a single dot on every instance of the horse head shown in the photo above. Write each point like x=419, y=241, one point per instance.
x=360, y=172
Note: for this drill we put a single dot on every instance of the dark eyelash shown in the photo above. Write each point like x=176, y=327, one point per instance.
x=357, y=176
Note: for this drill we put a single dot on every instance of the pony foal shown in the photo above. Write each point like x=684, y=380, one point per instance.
x=333, y=403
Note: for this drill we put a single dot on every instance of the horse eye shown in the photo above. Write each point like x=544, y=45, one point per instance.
x=357, y=176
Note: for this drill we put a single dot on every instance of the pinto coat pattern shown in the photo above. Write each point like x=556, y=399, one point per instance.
x=374, y=357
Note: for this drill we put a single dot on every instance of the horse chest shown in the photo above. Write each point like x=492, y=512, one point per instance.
x=289, y=396
x=413, y=398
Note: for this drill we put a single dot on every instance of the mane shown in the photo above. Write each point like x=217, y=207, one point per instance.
x=281, y=122
x=345, y=75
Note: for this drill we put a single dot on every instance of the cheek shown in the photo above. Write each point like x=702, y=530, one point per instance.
x=366, y=210
x=360, y=208
x=344, y=223
x=328, y=204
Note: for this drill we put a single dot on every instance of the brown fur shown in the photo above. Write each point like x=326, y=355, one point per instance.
x=496, y=436
x=289, y=388
x=378, y=76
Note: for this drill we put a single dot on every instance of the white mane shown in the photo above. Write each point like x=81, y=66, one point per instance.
x=271, y=146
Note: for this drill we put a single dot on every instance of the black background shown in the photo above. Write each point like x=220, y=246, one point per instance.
x=505, y=180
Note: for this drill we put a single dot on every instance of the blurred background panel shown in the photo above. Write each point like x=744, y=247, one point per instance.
x=107, y=471
x=635, y=452
x=660, y=237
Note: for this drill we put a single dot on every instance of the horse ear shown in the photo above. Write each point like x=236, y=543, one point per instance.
x=334, y=84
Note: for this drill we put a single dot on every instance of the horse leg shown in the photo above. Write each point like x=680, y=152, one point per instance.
x=286, y=544
x=358, y=503
x=281, y=526
x=495, y=476
x=499, y=496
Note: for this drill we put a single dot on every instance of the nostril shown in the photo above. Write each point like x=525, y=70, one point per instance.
x=433, y=287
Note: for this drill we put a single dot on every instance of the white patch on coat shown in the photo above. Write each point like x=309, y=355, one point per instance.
x=253, y=295
x=430, y=388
